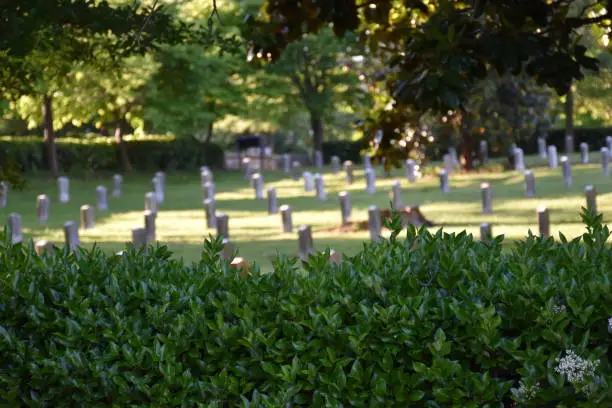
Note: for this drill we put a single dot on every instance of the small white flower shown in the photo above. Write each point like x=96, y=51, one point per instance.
x=526, y=392
x=575, y=368
x=558, y=309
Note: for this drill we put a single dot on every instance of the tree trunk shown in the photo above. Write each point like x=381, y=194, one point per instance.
x=49, y=135
x=569, y=113
x=209, y=132
x=316, y=125
x=123, y=154
x=466, y=145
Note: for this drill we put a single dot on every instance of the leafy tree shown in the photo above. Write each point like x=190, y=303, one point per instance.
x=313, y=67
x=45, y=39
x=194, y=89
x=438, y=50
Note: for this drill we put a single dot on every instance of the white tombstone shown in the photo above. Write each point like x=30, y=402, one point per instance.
x=609, y=144
x=320, y=187
x=345, y=207
x=287, y=163
x=530, y=189
x=335, y=163
x=102, y=198
x=484, y=152
x=605, y=161
x=295, y=170
x=452, y=152
x=348, y=168
x=519, y=160
x=63, y=189
x=305, y=242
x=14, y=228
x=487, y=198
x=158, y=189
x=584, y=153
x=567, y=171
x=552, y=157
x=396, y=195
x=117, y=184
x=591, y=198
x=367, y=162
x=257, y=182
x=444, y=184
x=4, y=190
x=71, y=235
x=308, y=181
x=150, y=228
x=410, y=170
x=286, y=218
x=209, y=211
x=370, y=178
x=151, y=202
x=206, y=176
x=542, y=148
x=42, y=208
x=374, y=223
x=272, y=201
x=87, y=217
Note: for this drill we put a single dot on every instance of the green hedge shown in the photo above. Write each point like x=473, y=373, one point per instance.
x=427, y=321
x=146, y=154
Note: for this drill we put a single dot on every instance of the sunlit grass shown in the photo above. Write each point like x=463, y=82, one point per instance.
x=181, y=222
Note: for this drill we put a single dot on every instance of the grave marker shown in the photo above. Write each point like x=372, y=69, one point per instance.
x=209, y=190
x=543, y=222
x=410, y=170
x=71, y=235
x=567, y=171
x=530, y=189
x=552, y=157
x=222, y=221
x=87, y=217
x=452, y=152
x=444, y=185
x=139, y=237
x=519, y=160
x=335, y=163
x=101, y=198
x=149, y=225
x=150, y=203
x=320, y=187
x=591, y=198
x=486, y=232
x=14, y=228
x=367, y=162
x=296, y=170
x=287, y=163
x=272, y=201
x=308, y=181
x=345, y=207
x=305, y=241
x=487, y=198
x=542, y=148
x=374, y=223
x=117, y=184
x=63, y=188
x=605, y=161
x=286, y=218
x=348, y=168
x=335, y=257
x=584, y=153
x=370, y=177
x=43, y=247
x=206, y=176
x=42, y=208
x=227, y=253
x=242, y=266
x=609, y=144
x=257, y=182
x=396, y=195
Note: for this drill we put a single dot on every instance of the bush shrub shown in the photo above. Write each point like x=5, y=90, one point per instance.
x=147, y=154
x=433, y=320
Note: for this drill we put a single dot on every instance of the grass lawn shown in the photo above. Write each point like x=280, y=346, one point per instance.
x=181, y=222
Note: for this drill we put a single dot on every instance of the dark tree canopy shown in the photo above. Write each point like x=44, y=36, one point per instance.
x=438, y=49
